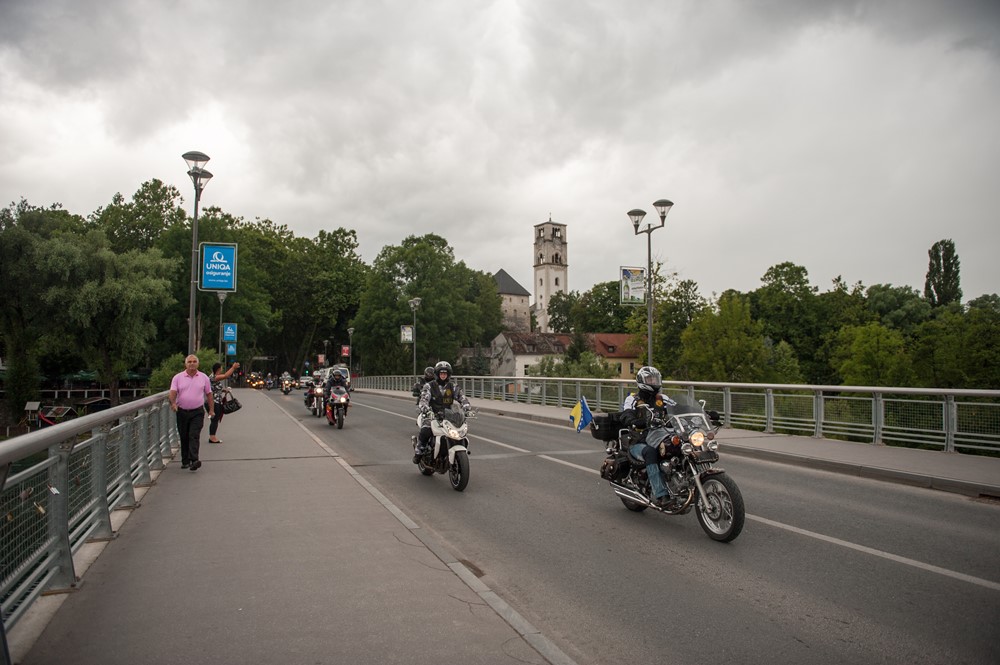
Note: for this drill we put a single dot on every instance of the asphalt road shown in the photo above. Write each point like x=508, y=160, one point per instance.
x=829, y=568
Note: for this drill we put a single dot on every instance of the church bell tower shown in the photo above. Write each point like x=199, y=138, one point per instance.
x=551, y=268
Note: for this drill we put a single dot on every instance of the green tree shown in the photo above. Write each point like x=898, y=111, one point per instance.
x=588, y=365
x=106, y=299
x=560, y=311
x=725, y=345
x=943, y=283
x=139, y=223
x=872, y=355
x=899, y=307
x=25, y=318
x=599, y=310
x=676, y=309
x=787, y=307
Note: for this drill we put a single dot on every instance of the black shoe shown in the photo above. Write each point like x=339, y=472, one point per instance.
x=417, y=457
x=666, y=502
x=185, y=465
x=195, y=465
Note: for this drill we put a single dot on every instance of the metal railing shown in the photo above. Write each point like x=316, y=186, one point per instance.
x=60, y=485
x=948, y=420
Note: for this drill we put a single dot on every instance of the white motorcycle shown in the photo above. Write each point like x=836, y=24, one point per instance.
x=449, y=449
x=314, y=399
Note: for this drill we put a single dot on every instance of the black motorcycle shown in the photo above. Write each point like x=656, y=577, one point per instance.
x=685, y=435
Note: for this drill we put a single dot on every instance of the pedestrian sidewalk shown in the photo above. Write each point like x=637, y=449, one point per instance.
x=971, y=475
x=275, y=551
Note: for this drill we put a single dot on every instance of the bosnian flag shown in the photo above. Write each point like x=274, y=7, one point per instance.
x=581, y=415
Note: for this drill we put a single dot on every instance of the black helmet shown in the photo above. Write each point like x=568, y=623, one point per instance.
x=442, y=367
x=428, y=374
x=649, y=379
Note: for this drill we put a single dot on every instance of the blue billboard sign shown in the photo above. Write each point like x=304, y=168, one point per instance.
x=218, y=267
x=228, y=332
x=231, y=349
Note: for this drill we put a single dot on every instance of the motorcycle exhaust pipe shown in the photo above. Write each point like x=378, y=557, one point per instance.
x=632, y=495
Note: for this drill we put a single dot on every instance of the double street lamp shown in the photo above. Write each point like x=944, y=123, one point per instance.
x=662, y=206
x=199, y=176
x=414, y=304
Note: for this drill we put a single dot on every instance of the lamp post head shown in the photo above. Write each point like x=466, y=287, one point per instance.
x=200, y=178
x=195, y=160
x=663, y=206
x=636, y=217
x=222, y=296
x=415, y=303
x=350, y=331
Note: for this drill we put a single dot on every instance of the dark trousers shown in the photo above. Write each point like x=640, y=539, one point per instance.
x=213, y=424
x=189, y=424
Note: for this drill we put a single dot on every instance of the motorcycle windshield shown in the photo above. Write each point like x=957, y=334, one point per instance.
x=455, y=416
x=339, y=390
x=689, y=415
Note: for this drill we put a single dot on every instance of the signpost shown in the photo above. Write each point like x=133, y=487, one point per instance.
x=218, y=267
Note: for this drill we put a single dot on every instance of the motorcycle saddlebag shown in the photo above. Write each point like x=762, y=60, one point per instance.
x=615, y=467
x=605, y=427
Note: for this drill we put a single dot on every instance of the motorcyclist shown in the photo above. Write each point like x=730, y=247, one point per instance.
x=336, y=378
x=426, y=378
x=437, y=395
x=637, y=416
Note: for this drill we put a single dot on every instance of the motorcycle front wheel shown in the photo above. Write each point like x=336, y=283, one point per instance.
x=723, y=516
x=459, y=471
x=340, y=418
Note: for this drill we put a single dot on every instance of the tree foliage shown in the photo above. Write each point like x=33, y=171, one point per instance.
x=943, y=283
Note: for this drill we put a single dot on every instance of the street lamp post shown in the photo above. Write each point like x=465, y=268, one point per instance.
x=222, y=353
x=350, y=350
x=662, y=206
x=326, y=357
x=414, y=304
x=200, y=177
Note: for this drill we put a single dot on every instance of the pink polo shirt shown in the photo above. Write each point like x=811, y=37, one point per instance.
x=191, y=390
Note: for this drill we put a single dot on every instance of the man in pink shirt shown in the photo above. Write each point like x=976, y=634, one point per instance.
x=188, y=392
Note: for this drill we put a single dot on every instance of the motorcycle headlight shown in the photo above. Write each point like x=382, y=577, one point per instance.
x=713, y=445
x=697, y=439
x=687, y=448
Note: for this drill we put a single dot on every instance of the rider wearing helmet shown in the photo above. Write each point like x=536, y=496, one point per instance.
x=636, y=415
x=437, y=394
x=338, y=377
x=426, y=378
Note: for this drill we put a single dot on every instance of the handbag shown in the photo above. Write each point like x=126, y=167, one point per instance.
x=229, y=403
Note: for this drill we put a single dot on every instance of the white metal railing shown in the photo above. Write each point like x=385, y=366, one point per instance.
x=59, y=486
x=948, y=420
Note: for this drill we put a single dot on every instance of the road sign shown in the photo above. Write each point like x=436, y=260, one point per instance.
x=218, y=267
x=228, y=332
x=231, y=349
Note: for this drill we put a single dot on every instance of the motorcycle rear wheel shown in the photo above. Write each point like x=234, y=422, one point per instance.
x=459, y=471
x=723, y=517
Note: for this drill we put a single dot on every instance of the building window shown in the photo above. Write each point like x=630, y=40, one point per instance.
x=557, y=281
x=541, y=233
x=557, y=233
x=540, y=282
x=611, y=349
x=619, y=369
x=631, y=368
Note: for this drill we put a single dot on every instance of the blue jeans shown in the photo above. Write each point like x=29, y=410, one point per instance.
x=652, y=458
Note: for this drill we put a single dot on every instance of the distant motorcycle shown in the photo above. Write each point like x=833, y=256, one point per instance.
x=449, y=450
x=314, y=399
x=286, y=386
x=693, y=480
x=336, y=406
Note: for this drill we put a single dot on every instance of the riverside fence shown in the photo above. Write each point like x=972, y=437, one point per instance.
x=948, y=420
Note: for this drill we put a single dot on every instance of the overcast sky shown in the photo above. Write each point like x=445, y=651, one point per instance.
x=845, y=137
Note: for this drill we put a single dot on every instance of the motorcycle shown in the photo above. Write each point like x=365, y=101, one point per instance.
x=694, y=481
x=336, y=406
x=286, y=386
x=449, y=449
x=314, y=399
x=269, y=384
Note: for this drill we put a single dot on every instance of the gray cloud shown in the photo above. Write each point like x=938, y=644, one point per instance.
x=843, y=136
